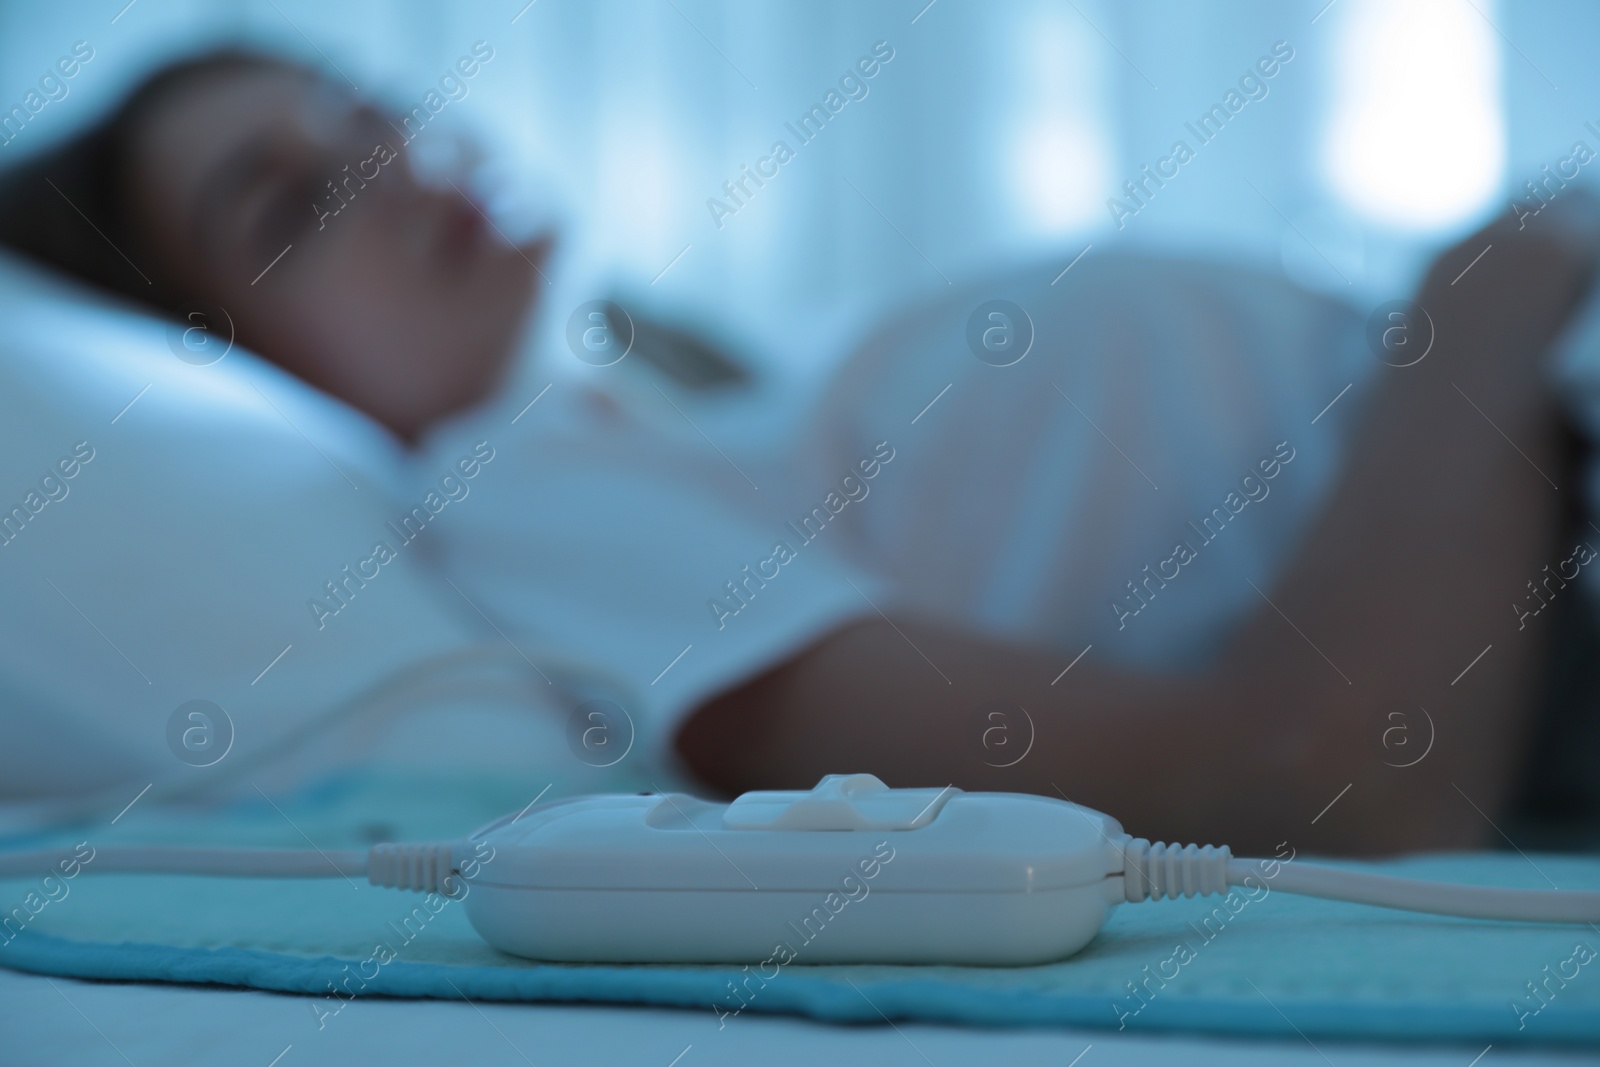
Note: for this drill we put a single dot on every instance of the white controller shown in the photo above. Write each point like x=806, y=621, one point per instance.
x=850, y=872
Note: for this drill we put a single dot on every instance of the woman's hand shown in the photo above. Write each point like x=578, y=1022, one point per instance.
x=1512, y=286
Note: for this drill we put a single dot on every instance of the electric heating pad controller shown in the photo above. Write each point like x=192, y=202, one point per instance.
x=851, y=871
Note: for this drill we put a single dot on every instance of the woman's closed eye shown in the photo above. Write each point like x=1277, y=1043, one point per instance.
x=282, y=208
x=296, y=196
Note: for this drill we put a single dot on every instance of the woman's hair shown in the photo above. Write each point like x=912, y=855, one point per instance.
x=74, y=207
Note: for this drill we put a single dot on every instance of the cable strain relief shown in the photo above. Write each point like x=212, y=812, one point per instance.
x=1162, y=871
x=426, y=867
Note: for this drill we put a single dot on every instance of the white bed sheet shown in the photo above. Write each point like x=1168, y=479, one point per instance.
x=54, y=1021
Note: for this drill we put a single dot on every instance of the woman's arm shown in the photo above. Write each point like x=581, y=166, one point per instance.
x=1442, y=514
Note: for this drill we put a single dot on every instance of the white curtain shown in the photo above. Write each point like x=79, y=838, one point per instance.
x=999, y=128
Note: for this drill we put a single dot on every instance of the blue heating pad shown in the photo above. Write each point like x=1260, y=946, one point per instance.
x=1276, y=965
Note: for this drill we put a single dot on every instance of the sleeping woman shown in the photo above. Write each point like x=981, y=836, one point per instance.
x=1132, y=565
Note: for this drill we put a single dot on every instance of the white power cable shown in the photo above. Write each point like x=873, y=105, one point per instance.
x=421, y=867
x=1162, y=871
x=186, y=859
x=1435, y=898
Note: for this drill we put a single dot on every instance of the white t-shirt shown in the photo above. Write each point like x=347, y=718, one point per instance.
x=1159, y=404
x=609, y=532
x=1161, y=445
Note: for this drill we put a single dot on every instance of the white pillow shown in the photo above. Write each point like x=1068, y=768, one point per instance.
x=164, y=527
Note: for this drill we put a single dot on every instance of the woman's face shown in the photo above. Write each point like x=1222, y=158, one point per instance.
x=293, y=206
